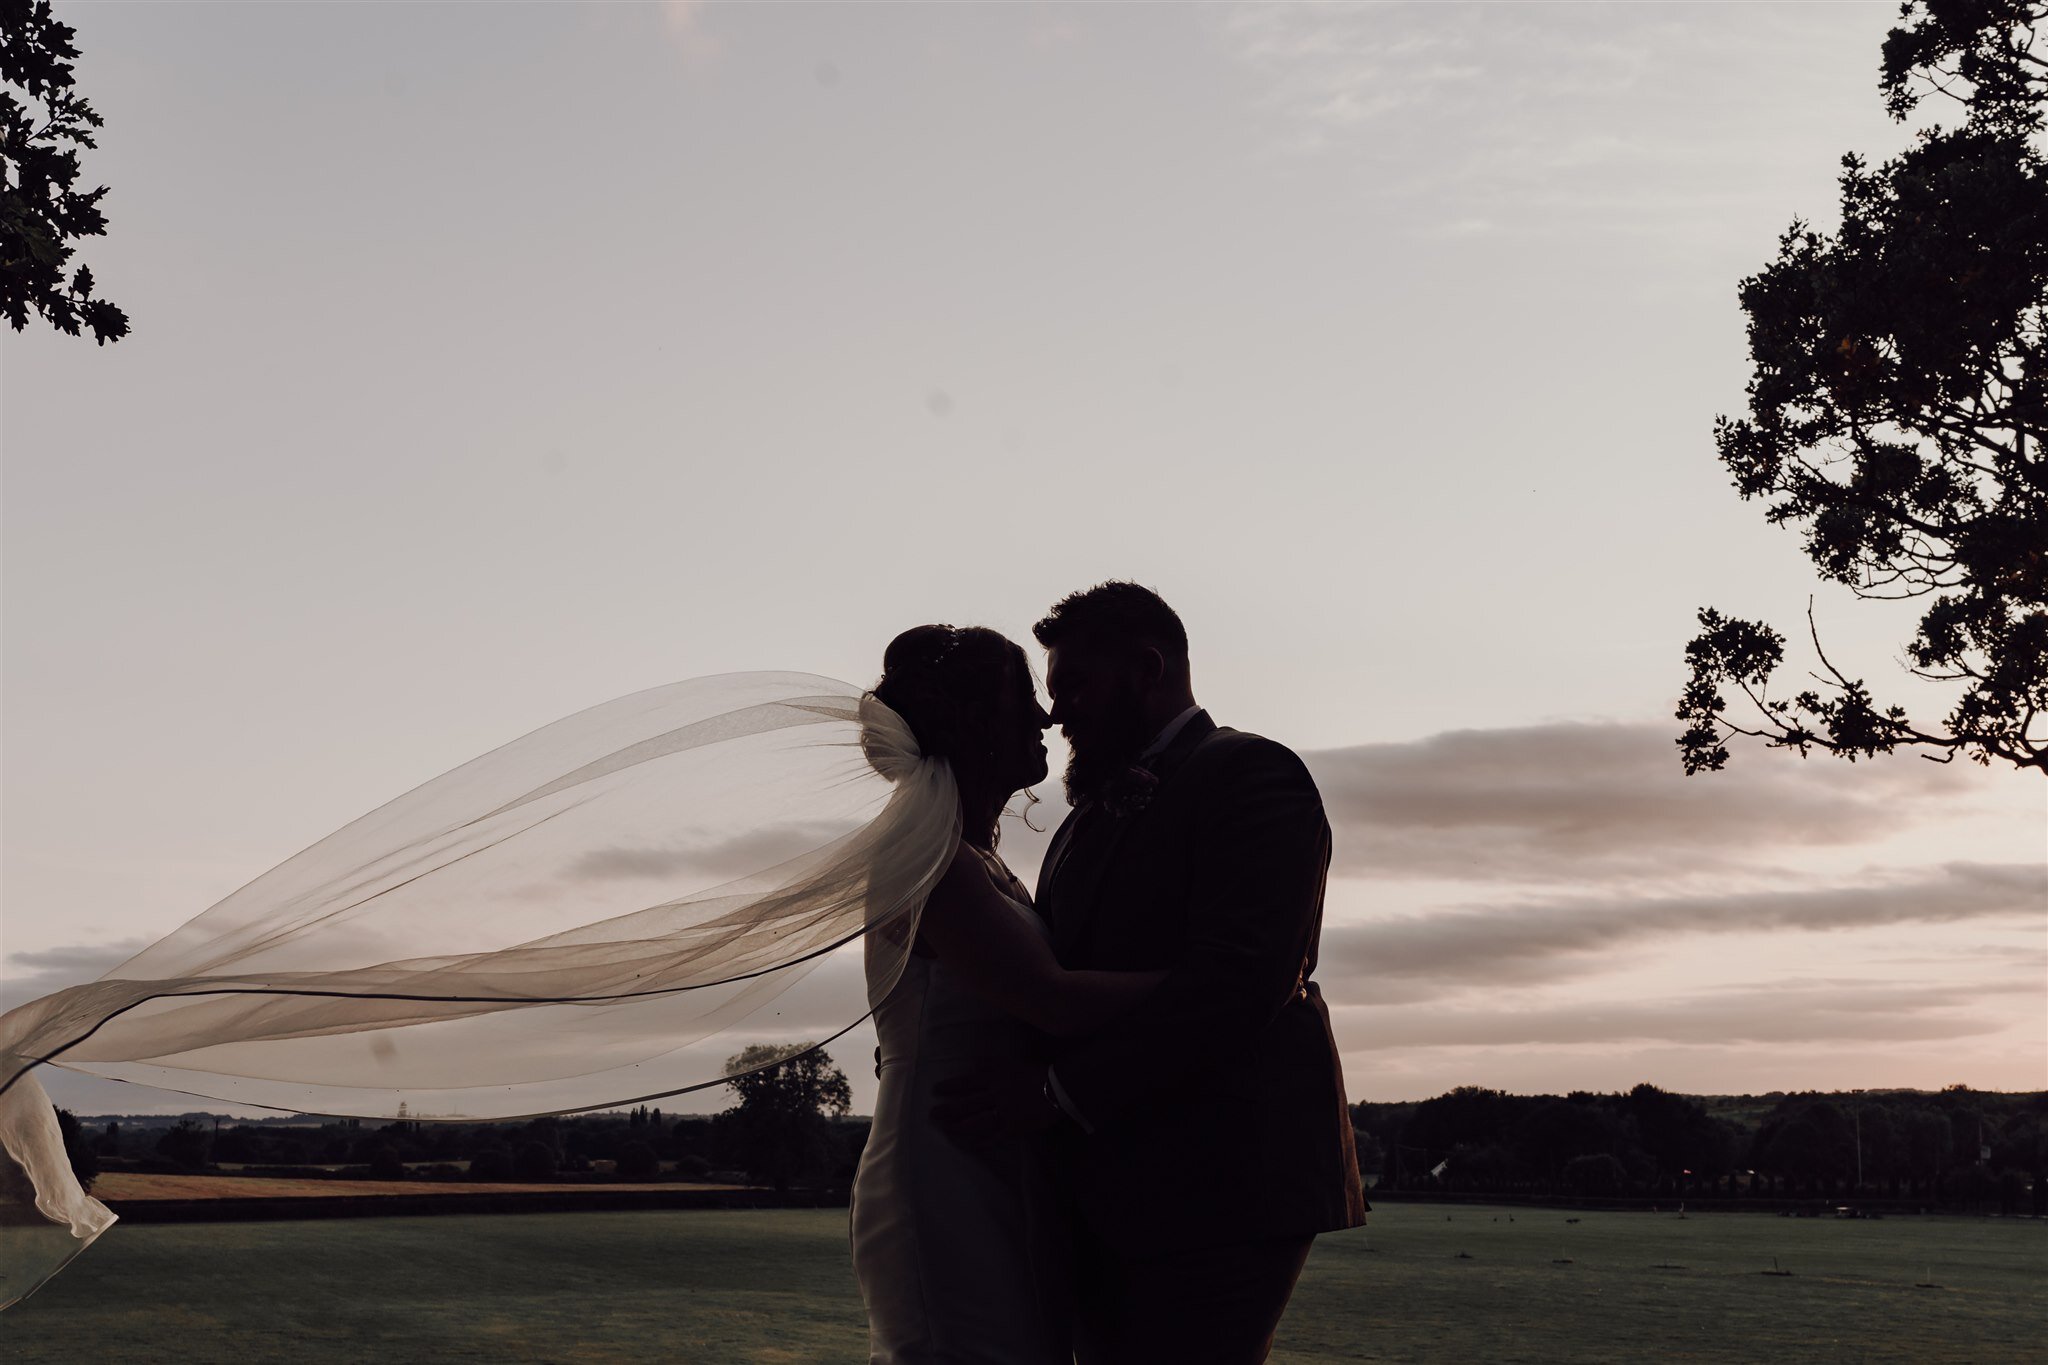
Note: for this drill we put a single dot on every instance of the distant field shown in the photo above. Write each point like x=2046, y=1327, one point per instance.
x=715, y=1286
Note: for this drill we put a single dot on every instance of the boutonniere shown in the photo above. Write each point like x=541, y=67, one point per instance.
x=1130, y=791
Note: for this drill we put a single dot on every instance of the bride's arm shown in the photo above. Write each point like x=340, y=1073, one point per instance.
x=980, y=935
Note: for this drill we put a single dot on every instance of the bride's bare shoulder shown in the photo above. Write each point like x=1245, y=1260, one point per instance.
x=964, y=874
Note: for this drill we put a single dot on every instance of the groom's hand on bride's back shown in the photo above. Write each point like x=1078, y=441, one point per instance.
x=993, y=1105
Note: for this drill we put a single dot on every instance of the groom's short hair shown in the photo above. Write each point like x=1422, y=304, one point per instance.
x=1117, y=612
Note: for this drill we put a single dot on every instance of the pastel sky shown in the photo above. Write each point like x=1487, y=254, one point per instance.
x=493, y=360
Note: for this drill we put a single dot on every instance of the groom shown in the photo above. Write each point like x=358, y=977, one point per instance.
x=1203, y=1141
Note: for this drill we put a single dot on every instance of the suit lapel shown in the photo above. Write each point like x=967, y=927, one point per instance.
x=1079, y=876
x=1093, y=838
x=1049, y=867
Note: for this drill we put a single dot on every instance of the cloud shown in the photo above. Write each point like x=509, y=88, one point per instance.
x=2032, y=958
x=1777, y=1013
x=1572, y=802
x=38, y=972
x=1336, y=70
x=1552, y=118
x=1541, y=941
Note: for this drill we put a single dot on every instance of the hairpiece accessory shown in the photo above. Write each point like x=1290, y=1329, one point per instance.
x=946, y=647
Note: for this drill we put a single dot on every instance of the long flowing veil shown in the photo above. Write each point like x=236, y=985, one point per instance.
x=586, y=916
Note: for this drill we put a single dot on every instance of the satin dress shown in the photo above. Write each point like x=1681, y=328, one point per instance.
x=951, y=1246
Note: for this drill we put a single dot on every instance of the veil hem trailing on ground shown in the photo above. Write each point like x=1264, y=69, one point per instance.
x=590, y=915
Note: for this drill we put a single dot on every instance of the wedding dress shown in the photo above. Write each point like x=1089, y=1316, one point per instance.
x=947, y=1242
x=587, y=916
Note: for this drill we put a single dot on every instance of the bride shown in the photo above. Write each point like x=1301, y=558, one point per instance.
x=955, y=1249
x=585, y=916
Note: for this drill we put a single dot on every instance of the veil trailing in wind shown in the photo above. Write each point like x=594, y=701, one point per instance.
x=590, y=915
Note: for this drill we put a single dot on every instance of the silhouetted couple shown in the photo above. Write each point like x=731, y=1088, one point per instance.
x=1111, y=1122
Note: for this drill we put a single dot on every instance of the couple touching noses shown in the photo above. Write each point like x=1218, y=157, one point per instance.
x=1111, y=1120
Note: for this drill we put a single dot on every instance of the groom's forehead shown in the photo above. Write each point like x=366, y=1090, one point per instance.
x=1072, y=660
x=1063, y=664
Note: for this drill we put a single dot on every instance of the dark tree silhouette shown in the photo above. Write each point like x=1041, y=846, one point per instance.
x=1929, y=1142
x=1595, y=1174
x=1676, y=1133
x=778, y=1128
x=1984, y=47
x=42, y=125
x=187, y=1144
x=533, y=1161
x=637, y=1161
x=79, y=1149
x=1897, y=410
x=1815, y=1144
x=493, y=1164
x=1557, y=1132
x=1372, y=1157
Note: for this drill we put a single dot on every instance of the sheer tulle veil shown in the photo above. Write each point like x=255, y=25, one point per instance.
x=597, y=913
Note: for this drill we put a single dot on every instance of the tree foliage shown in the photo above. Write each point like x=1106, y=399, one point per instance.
x=534, y=1162
x=638, y=1161
x=1598, y=1174
x=779, y=1125
x=492, y=1164
x=43, y=123
x=1977, y=51
x=79, y=1150
x=795, y=1078
x=1896, y=413
x=1648, y=1143
x=187, y=1144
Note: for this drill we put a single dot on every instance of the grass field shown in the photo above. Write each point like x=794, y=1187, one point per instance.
x=715, y=1286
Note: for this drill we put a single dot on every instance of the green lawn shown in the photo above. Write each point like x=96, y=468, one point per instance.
x=776, y=1286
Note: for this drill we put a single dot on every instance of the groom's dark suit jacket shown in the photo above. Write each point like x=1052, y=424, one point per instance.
x=1217, y=1105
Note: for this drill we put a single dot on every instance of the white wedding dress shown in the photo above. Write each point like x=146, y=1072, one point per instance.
x=946, y=1241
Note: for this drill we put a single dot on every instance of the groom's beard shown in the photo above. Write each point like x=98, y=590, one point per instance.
x=1104, y=751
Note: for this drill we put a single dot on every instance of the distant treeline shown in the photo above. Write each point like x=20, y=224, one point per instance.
x=642, y=1144
x=787, y=1128
x=1955, y=1148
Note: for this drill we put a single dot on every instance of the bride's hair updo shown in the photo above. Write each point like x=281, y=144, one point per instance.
x=948, y=684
